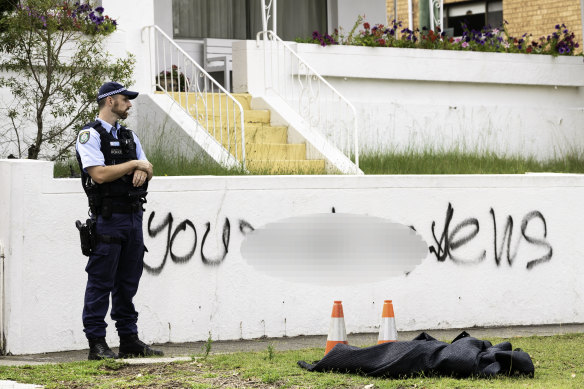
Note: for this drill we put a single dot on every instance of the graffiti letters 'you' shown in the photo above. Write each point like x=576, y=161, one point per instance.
x=187, y=227
x=454, y=238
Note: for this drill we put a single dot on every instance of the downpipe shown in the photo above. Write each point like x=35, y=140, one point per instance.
x=2, y=301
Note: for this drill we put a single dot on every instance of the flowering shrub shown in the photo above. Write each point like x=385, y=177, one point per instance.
x=325, y=39
x=560, y=42
x=172, y=80
x=71, y=17
x=54, y=59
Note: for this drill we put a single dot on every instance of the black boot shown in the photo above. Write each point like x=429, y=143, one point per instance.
x=131, y=346
x=98, y=349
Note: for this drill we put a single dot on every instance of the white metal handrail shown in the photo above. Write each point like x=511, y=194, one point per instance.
x=314, y=99
x=178, y=75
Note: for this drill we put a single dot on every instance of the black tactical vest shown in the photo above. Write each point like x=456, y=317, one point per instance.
x=119, y=196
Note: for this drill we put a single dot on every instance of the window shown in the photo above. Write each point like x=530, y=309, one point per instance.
x=242, y=19
x=475, y=15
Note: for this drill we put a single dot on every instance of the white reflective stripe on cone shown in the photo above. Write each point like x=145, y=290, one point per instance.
x=337, y=330
x=387, y=331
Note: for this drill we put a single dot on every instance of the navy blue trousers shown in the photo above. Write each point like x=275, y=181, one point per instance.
x=114, y=269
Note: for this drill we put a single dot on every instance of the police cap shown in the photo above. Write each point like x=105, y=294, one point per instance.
x=114, y=88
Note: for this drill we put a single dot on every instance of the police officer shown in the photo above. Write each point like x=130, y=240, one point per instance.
x=115, y=175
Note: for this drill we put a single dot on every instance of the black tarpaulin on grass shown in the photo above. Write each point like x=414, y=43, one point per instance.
x=465, y=356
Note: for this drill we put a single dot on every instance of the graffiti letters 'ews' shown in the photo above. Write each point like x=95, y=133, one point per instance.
x=455, y=237
x=188, y=232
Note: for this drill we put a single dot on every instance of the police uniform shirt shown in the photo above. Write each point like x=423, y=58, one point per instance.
x=89, y=145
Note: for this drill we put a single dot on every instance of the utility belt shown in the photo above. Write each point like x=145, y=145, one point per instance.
x=108, y=206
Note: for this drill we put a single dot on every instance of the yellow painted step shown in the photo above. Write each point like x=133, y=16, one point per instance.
x=267, y=151
x=254, y=116
x=275, y=152
x=313, y=166
x=209, y=99
x=257, y=116
x=266, y=134
x=253, y=134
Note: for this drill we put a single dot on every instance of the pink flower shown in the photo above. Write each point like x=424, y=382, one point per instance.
x=465, y=44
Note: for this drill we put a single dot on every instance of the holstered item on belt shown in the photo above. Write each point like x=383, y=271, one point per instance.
x=87, y=236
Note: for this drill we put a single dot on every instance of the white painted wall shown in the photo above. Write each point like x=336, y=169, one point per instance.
x=45, y=275
x=509, y=104
x=344, y=13
x=163, y=16
x=132, y=16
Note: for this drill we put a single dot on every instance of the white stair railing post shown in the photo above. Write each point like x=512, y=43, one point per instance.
x=315, y=100
x=269, y=13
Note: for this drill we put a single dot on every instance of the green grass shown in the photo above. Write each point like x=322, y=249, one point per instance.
x=558, y=360
x=455, y=162
x=408, y=162
x=164, y=165
x=180, y=165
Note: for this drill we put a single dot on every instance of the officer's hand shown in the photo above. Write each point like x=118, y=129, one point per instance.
x=143, y=165
x=140, y=178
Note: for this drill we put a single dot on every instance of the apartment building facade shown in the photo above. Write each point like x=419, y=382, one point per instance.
x=537, y=17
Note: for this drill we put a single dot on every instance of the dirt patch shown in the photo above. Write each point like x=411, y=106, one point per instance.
x=169, y=375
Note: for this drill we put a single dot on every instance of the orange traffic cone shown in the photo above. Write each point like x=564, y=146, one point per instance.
x=387, y=331
x=337, y=332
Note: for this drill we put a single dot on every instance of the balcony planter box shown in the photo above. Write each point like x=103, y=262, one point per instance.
x=443, y=65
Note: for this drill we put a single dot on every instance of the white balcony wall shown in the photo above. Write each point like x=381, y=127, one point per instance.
x=344, y=13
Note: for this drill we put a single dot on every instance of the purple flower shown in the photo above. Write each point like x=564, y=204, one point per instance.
x=99, y=10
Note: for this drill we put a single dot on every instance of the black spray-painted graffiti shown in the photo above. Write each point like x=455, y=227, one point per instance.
x=468, y=229
x=171, y=235
x=450, y=240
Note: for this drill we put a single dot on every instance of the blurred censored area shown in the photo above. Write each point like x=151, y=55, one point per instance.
x=334, y=248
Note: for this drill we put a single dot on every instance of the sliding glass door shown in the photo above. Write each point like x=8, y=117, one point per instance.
x=242, y=19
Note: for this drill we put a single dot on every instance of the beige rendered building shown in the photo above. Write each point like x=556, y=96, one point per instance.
x=538, y=17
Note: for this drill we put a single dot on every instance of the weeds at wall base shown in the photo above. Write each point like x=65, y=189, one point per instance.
x=399, y=162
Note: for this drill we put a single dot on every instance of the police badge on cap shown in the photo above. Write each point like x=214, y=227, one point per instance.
x=114, y=88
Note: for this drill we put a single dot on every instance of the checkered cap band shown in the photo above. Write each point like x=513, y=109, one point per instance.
x=115, y=92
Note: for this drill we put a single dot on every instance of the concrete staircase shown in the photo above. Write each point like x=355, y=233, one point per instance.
x=267, y=149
